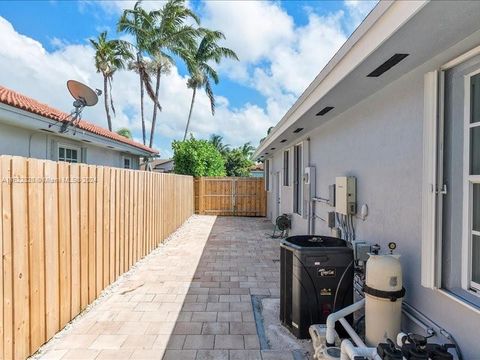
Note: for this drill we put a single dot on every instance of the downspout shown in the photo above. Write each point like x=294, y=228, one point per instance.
x=309, y=196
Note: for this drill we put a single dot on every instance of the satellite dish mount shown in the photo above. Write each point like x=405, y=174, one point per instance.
x=84, y=96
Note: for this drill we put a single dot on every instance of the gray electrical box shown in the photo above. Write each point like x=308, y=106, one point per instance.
x=346, y=195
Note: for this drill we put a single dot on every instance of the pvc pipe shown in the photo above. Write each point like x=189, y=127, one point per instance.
x=353, y=335
x=334, y=317
x=349, y=352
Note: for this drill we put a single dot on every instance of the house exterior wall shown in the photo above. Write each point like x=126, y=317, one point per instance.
x=42, y=145
x=380, y=142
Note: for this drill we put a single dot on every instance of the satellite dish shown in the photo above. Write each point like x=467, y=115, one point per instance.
x=84, y=96
x=82, y=93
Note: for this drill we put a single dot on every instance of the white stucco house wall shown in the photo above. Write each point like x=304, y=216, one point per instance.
x=397, y=108
x=31, y=129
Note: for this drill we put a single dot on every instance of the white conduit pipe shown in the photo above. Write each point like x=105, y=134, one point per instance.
x=353, y=335
x=349, y=351
x=334, y=317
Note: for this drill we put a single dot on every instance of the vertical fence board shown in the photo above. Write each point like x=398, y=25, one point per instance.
x=7, y=258
x=75, y=232
x=106, y=228
x=99, y=231
x=52, y=290
x=64, y=243
x=21, y=292
x=83, y=236
x=37, y=253
x=91, y=233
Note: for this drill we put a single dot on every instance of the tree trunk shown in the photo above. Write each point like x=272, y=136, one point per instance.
x=155, y=107
x=144, y=135
x=190, y=113
x=105, y=95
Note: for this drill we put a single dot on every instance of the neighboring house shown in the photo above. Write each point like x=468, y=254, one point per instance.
x=257, y=170
x=25, y=131
x=160, y=165
x=398, y=107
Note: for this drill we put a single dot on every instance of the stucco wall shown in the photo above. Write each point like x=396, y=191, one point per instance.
x=379, y=141
x=22, y=142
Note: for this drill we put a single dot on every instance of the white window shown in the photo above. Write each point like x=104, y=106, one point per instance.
x=286, y=168
x=451, y=180
x=471, y=189
x=127, y=162
x=297, y=178
x=68, y=153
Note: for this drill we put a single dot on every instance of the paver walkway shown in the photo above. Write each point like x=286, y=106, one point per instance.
x=189, y=299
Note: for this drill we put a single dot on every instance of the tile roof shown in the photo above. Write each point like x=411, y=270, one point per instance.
x=12, y=98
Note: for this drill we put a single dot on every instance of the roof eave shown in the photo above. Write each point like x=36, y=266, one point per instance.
x=382, y=22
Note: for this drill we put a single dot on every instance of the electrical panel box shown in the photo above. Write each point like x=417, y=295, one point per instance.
x=346, y=195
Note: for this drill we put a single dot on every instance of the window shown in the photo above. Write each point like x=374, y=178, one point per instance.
x=286, y=168
x=451, y=188
x=127, y=162
x=471, y=190
x=267, y=175
x=297, y=179
x=68, y=153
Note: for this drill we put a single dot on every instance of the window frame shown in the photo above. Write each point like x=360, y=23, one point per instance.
x=433, y=188
x=286, y=167
x=468, y=181
x=69, y=147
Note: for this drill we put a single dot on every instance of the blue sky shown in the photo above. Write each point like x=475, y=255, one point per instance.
x=281, y=45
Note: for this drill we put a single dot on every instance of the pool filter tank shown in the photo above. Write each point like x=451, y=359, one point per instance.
x=383, y=298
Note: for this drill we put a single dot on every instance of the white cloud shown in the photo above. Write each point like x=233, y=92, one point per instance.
x=277, y=58
x=42, y=75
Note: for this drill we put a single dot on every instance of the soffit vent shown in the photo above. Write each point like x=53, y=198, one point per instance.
x=387, y=65
x=325, y=110
x=297, y=130
x=284, y=140
x=272, y=148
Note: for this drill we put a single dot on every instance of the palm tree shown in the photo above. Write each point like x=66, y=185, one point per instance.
x=171, y=37
x=217, y=141
x=247, y=150
x=139, y=23
x=110, y=56
x=201, y=73
x=125, y=133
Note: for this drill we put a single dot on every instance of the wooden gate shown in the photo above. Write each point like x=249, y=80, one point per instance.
x=230, y=196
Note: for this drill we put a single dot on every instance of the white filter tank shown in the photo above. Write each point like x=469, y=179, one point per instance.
x=383, y=298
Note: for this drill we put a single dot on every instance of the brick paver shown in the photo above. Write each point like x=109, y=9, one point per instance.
x=189, y=299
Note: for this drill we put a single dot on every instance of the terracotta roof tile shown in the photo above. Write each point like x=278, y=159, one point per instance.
x=12, y=98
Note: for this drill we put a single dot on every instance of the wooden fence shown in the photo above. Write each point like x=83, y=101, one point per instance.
x=231, y=196
x=69, y=230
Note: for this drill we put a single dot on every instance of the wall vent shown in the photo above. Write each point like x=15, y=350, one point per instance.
x=325, y=110
x=387, y=65
x=297, y=130
x=284, y=140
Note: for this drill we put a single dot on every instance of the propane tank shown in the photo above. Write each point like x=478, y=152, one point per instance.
x=383, y=298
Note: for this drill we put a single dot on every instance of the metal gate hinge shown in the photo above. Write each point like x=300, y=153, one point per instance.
x=442, y=191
